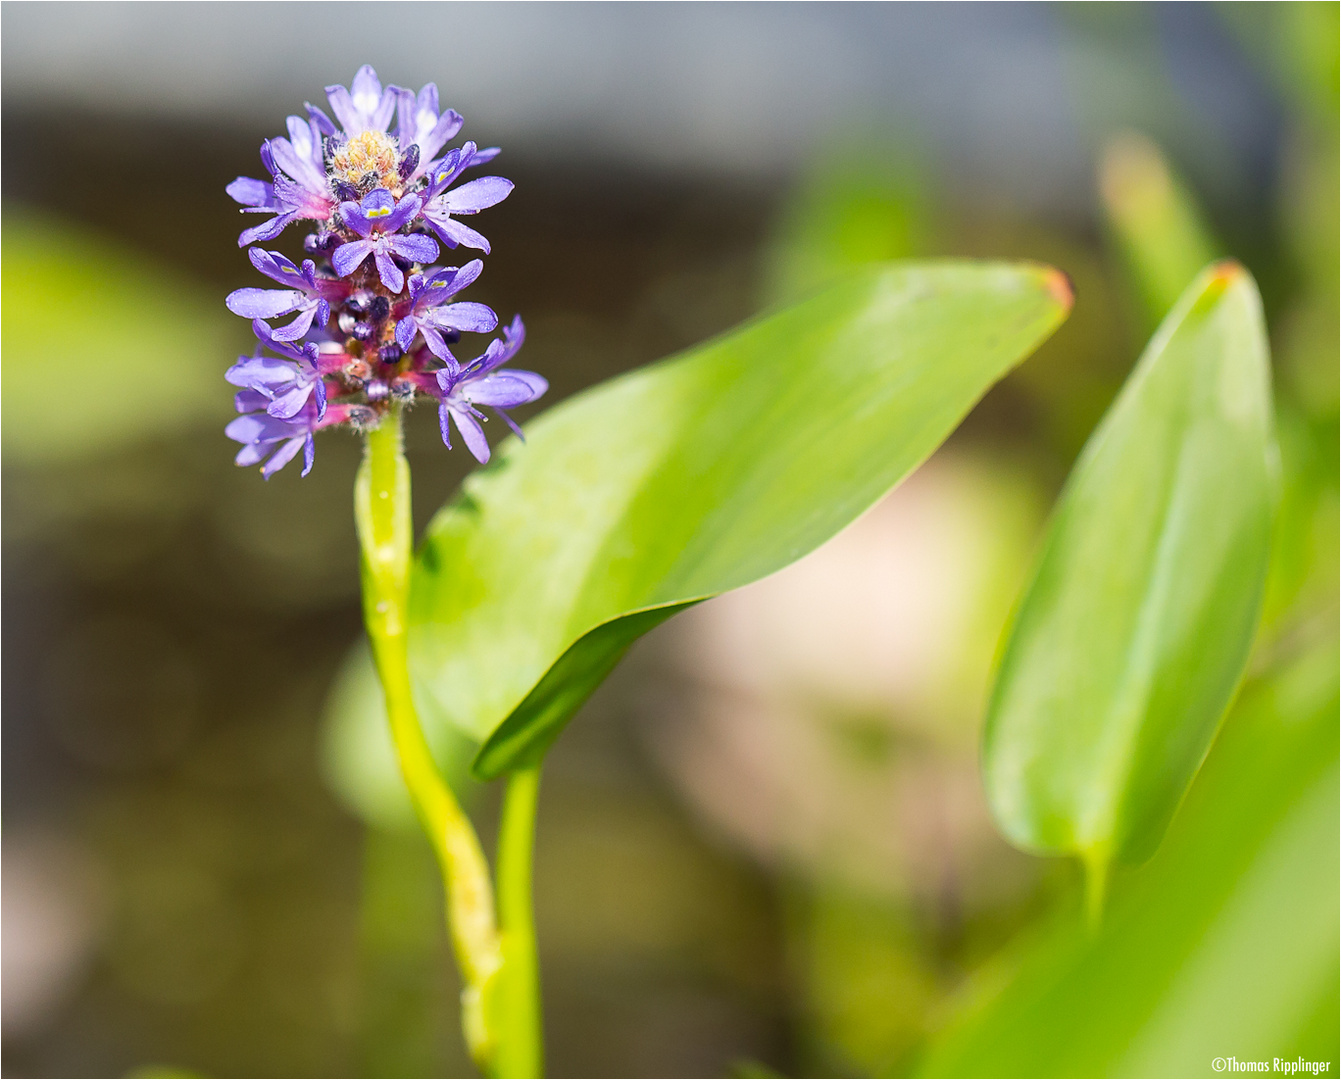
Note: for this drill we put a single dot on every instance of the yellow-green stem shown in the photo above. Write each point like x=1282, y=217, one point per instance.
x=1096, y=866
x=385, y=529
x=522, y=1052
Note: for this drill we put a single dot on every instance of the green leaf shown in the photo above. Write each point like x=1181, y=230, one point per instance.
x=855, y=207
x=103, y=347
x=697, y=475
x=1225, y=943
x=1155, y=221
x=1131, y=639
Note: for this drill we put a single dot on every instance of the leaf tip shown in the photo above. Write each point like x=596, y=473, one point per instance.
x=1059, y=286
x=1224, y=273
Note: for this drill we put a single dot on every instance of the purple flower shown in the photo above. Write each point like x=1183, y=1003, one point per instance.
x=376, y=218
x=421, y=126
x=430, y=313
x=440, y=204
x=308, y=295
x=298, y=187
x=461, y=389
x=262, y=435
x=365, y=106
x=281, y=387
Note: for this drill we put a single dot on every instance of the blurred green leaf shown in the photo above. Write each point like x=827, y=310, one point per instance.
x=1298, y=45
x=852, y=210
x=1132, y=636
x=1225, y=943
x=102, y=346
x=698, y=475
x=1157, y=223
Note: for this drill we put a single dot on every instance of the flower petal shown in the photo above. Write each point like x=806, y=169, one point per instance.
x=267, y=230
x=405, y=331
x=453, y=232
x=349, y=257
x=443, y=413
x=505, y=389
x=344, y=110
x=468, y=315
x=290, y=403
x=251, y=192
x=263, y=303
x=294, y=330
x=477, y=195
x=283, y=456
x=263, y=373
x=415, y=247
x=392, y=276
x=437, y=346
x=471, y=434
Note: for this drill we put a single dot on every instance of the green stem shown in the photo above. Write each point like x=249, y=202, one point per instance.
x=522, y=1053
x=386, y=538
x=1096, y=864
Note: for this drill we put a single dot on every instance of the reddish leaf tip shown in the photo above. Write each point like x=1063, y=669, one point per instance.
x=1059, y=285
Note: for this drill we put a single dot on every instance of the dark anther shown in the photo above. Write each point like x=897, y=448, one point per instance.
x=379, y=309
x=358, y=303
x=409, y=162
x=361, y=332
x=319, y=243
x=328, y=149
x=361, y=417
x=389, y=354
x=402, y=391
x=346, y=191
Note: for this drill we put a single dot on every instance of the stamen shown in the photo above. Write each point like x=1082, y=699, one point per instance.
x=367, y=160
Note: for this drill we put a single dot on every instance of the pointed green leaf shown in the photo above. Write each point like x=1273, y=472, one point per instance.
x=1131, y=638
x=698, y=475
x=1156, y=222
x=1225, y=943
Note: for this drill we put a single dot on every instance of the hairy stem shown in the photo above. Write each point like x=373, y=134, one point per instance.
x=382, y=514
x=522, y=1052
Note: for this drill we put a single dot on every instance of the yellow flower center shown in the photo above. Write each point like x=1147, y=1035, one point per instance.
x=369, y=159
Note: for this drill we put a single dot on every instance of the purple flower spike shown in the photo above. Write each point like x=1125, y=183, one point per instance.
x=480, y=383
x=440, y=204
x=430, y=313
x=375, y=219
x=368, y=339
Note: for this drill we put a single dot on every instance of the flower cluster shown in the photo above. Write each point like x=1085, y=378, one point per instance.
x=371, y=322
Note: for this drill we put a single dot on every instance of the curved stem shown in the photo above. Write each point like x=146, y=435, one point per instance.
x=522, y=1053
x=385, y=529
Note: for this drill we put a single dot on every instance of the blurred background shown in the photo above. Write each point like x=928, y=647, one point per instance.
x=763, y=847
